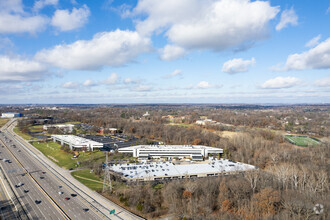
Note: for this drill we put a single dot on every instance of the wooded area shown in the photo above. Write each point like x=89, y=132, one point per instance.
x=290, y=181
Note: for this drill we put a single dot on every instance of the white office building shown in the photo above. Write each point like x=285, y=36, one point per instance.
x=68, y=128
x=11, y=115
x=75, y=142
x=196, y=152
x=167, y=170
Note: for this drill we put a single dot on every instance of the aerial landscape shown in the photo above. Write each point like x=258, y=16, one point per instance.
x=171, y=110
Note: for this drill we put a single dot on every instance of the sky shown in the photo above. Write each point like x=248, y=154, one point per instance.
x=156, y=51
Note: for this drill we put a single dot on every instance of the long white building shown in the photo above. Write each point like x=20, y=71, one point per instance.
x=75, y=142
x=167, y=170
x=196, y=152
x=64, y=127
x=11, y=115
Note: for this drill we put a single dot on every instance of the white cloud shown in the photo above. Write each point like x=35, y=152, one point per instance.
x=12, y=6
x=70, y=85
x=142, y=88
x=315, y=58
x=13, y=19
x=89, y=83
x=107, y=48
x=174, y=73
x=130, y=81
x=204, y=85
x=281, y=82
x=325, y=82
x=171, y=52
x=237, y=65
x=66, y=21
x=288, y=17
x=212, y=24
x=314, y=41
x=17, y=69
x=38, y=5
x=112, y=79
x=328, y=10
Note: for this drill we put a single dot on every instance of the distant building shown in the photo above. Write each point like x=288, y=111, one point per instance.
x=205, y=122
x=146, y=114
x=67, y=128
x=196, y=152
x=200, y=122
x=75, y=142
x=11, y=115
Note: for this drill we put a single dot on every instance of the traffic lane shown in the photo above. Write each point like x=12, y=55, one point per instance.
x=36, y=210
x=8, y=168
x=72, y=207
x=33, y=194
x=7, y=208
x=50, y=184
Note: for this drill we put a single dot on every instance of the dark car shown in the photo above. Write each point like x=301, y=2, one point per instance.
x=43, y=172
x=42, y=177
x=73, y=195
x=26, y=190
x=37, y=202
x=86, y=210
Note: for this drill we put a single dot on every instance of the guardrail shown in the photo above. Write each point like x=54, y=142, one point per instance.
x=49, y=196
x=56, y=173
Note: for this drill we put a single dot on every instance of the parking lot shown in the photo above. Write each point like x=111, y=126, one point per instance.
x=113, y=142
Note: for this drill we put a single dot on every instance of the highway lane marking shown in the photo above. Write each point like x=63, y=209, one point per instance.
x=35, y=182
x=16, y=179
x=81, y=202
x=82, y=199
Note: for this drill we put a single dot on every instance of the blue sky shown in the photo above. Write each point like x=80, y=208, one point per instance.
x=155, y=51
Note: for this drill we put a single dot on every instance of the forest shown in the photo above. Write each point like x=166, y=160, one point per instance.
x=289, y=183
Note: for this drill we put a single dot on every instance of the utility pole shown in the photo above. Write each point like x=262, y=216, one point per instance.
x=107, y=176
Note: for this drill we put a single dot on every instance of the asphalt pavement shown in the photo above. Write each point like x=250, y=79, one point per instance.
x=42, y=194
x=85, y=204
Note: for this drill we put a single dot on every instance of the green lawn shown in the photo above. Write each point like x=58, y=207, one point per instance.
x=23, y=135
x=36, y=128
x=302, y=141
x=88, y=179
x=93, y=181
x=3, y=121
x=64, y=159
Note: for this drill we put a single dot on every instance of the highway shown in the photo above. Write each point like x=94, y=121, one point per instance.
x=8, y=209
x=43, y=178
x=39, y=193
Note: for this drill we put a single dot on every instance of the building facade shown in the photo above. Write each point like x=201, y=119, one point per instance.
x=11, y=115
x=156, y=151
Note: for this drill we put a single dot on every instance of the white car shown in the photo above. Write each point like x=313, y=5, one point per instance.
x=60, y=193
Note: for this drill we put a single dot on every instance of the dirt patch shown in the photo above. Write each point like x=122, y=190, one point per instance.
x=228, y=134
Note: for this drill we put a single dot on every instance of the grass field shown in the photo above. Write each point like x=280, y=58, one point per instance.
x=63, y=159
x=302, y=141
x=90, y=180
x=23, y=135
x=3, y=121
x=93, y=181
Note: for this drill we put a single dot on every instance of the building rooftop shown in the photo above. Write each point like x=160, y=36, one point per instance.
x=75, y=140
x=168, y=169
x=170, y=147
